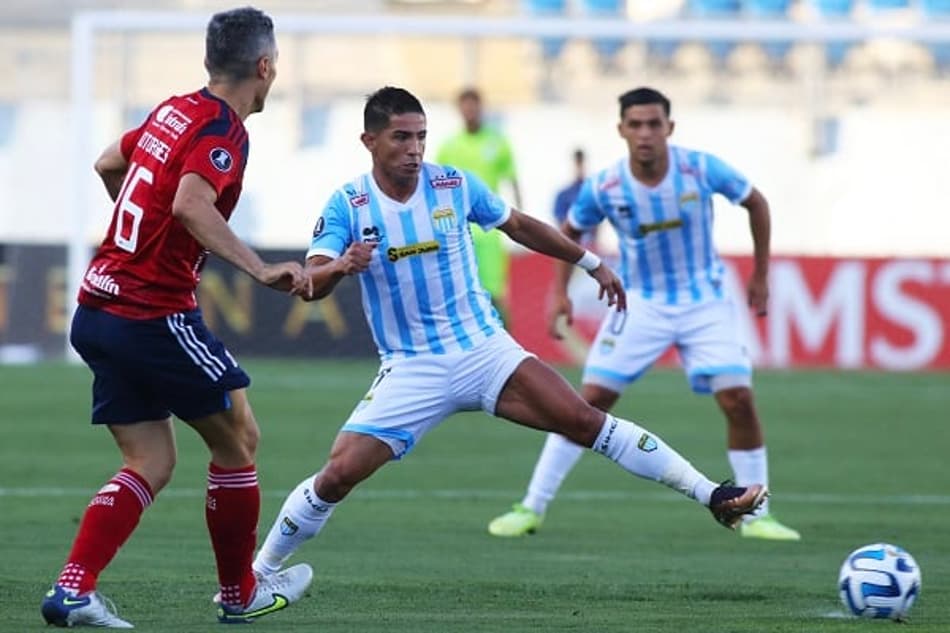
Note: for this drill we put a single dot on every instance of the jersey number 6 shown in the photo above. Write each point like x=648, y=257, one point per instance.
x=128, y=239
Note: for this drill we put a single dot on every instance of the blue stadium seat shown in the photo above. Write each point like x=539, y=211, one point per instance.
x=717, y=9
x=889, y=4
x=314, y=124
x=938, y=10
x=551, y=47
x=607, y=48
x=7, y=122
x=771, y=10
x=834, y=8
x=835, y=52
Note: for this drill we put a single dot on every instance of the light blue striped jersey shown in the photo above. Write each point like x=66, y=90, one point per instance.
x=665, y=232
x=421, y=293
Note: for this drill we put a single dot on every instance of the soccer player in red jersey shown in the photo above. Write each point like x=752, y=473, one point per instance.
x=175, y=181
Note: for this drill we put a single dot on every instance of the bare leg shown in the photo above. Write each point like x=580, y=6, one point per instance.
x=353, y=458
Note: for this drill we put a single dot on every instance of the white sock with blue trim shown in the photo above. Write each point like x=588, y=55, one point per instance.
x=302, y=516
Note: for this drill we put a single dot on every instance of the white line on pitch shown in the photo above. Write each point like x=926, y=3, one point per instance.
x=574, y=495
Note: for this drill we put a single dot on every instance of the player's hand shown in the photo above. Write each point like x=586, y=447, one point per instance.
x=357, y=257
x=288, y=277
x=758, y=294
x=560, y=308
x=610, y=286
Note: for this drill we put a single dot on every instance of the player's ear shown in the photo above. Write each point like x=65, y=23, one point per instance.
x=369, y=140
x=264, y=65
x=672, y=125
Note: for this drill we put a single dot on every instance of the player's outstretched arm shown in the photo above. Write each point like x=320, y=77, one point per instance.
x=543, y=238
x=326, y=272
x=194, y=208
x=112, y=167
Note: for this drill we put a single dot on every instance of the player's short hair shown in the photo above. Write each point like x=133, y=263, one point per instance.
x=644, y=96
x=236, y=40
x=386, y=102
x=470, y=93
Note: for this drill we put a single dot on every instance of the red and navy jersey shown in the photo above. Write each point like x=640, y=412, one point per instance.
x=149, y=265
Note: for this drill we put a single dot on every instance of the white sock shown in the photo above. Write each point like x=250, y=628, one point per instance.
x=302, y=516
x=644, y=454
x=557, y=459
x=751, y=467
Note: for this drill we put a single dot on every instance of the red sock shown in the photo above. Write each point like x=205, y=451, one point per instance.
x=232, y=509
x=106, y=525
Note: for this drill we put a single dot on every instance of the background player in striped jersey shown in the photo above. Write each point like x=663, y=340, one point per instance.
x=175, y=181
x=659, y=200
x=403, y=229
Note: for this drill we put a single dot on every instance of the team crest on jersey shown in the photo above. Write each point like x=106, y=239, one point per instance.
x=359, y=200
x=444, y=219
x=446, y=182
x=689, y=196
x=221, y=159
x=607, y=184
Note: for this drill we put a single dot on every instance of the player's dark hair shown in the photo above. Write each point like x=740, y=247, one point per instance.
x=235, y=41
x=644, y=96
x=470, y=93
x=386, y=102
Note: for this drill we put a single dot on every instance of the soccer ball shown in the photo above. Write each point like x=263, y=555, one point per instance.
x=879, y=581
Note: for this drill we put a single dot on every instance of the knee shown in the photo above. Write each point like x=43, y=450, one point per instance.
x=156, y=469
x=737, y=403
x=336, y=480
x=251, y=437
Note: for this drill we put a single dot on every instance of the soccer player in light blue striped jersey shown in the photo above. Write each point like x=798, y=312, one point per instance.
x=658, y=199
x=403, y=229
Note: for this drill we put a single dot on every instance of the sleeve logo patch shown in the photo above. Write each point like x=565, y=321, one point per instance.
x=318, y=227
x=221, y=159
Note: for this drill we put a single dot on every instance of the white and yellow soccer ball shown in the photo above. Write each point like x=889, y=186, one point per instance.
x=879, y=581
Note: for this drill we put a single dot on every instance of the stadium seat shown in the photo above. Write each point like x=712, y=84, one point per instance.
x=314, y=120
x=938, y=10
x=771, y=10
x=607, y=48
x=7, y=122
x=715, y=10
x=835, y=52
x=551, y=47
x=888, y=4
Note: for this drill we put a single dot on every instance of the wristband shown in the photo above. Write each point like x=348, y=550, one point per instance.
x=588, y=261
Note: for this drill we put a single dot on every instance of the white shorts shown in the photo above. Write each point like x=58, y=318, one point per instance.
x=706, y=335
x=410, y=396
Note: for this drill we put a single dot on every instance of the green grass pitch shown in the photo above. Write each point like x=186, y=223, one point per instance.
x=855, y=458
